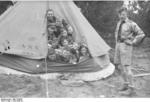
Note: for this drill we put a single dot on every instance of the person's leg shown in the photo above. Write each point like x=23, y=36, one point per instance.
x=117, y=59
x=124, y=76
x=128, y=82
x=130, y=76
x=126, y=59
x=129, y=65
x=117, y=54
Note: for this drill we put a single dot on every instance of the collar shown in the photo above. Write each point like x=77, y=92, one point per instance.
x=126, y=20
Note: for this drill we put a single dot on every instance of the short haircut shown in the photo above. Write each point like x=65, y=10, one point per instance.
x=50, y=10
x=61, y=41
x=122, y=9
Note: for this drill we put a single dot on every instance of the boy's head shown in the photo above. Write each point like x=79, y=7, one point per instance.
x=50, y=13
x=64, y=32
x=59, y=23
x=65, y=42
x=70, y=29
x=83, y=50
x=123, y=13
x=64, y=22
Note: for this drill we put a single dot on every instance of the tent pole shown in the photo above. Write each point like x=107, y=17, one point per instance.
x=46, y=80
x=47, y=4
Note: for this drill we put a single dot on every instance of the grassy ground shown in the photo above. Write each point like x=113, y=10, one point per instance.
x=25, y=86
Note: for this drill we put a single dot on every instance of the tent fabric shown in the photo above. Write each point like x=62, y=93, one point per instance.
x=32, y=66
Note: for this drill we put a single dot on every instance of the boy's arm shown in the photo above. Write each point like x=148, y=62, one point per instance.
x=139, y=33
x=116, y=32
x=52, y=24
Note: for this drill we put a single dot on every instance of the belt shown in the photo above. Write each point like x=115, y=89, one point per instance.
x=121, y=40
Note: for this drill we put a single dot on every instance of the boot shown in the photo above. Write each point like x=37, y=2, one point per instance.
x=117, y=70
x=123, y=87
x=129, y=92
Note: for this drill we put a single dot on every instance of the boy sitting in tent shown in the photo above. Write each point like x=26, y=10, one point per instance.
x=69, y=53
x=54, y=23
x=67, y=26
x=74, y=58
x=61, y=49
x=83, y=53
x=64, y=51
x=72, y=46
x=69, y=30
x=65, y=35
x=51, y=19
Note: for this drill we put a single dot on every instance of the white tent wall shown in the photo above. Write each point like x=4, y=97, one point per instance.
x=22, y=28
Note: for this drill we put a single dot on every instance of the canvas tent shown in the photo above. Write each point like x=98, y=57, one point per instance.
x=23, y=38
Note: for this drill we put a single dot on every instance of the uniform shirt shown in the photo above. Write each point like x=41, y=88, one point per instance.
x=129, y=31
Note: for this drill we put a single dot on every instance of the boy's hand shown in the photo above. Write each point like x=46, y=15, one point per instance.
x=128, y=42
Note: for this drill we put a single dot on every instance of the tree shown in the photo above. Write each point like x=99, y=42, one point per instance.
x=4, y=5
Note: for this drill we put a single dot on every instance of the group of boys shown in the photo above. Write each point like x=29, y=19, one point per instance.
x=61, y=44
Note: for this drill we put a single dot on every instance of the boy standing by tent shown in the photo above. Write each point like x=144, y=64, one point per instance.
x=127, y=34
